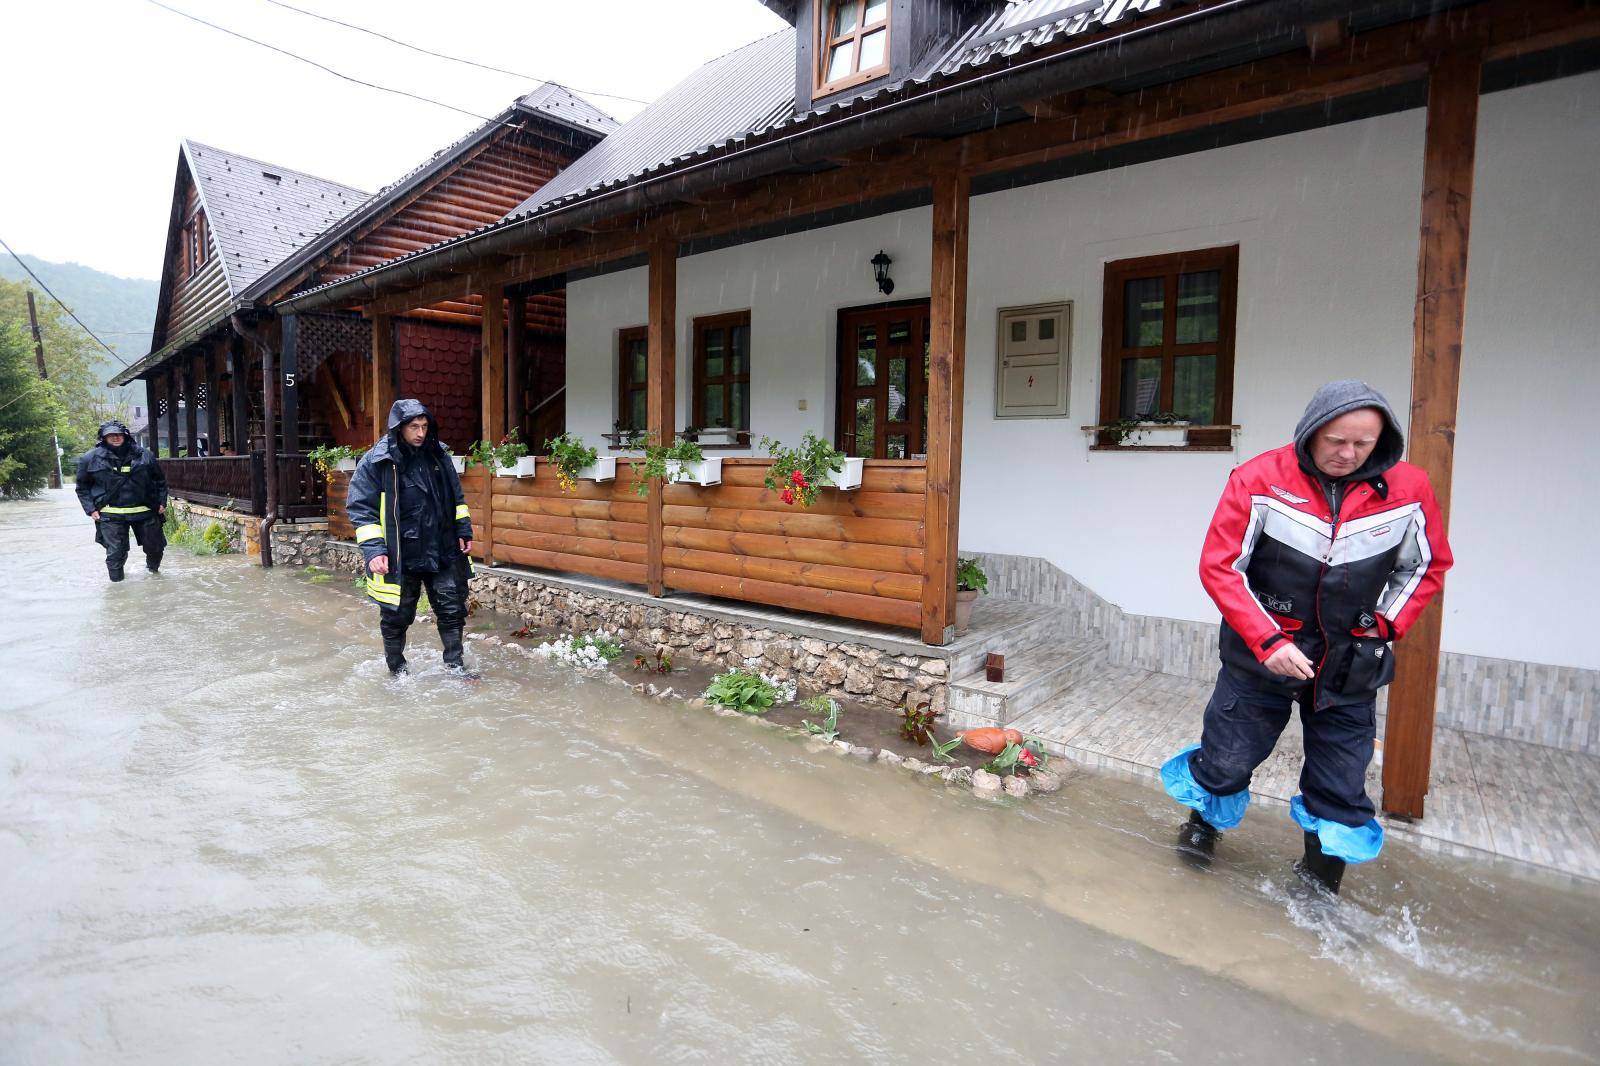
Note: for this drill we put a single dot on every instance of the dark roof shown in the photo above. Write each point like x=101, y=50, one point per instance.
x=259, y=213
x=549, y=101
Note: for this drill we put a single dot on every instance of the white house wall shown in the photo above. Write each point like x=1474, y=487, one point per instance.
x=1327, y=226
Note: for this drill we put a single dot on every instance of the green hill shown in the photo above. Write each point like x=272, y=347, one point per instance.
x=121, y=311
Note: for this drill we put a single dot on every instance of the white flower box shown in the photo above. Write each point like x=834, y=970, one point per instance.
x=848, y=478
x=602, y=469
x=1157, y=435
x=705, y=472
x=717, y=435
x=459, y=462
x=346, y=466
x=523, y=467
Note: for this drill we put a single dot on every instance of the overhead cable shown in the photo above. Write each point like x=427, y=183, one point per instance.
x=63, y=306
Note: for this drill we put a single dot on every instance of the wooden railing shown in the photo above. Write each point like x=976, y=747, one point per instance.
x=856, y=554
x=232, y=481
x=301, y=493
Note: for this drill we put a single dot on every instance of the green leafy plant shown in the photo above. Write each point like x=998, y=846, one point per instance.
x=797, y=473
x=656, y=456
x=827, y=708
x=970, y=577
x=494, y=456
x=742, y=690
x=178, y=532
x=1019, y=758
x=217, y=538
x=916, y=722
x=327, y=456
x=1119, y=431
x=662, y=664
x=941, y=752
x=569, y=455
x=626, y=436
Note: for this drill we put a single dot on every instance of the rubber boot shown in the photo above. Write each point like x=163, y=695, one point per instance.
x=394, y=653
x=1197, y=840
x=114, y=572
x=1320, y=868
x=451, y=639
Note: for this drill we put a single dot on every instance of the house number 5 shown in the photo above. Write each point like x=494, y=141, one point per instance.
x=288, y=381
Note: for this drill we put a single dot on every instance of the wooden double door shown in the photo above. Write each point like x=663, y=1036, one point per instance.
x=883, y=381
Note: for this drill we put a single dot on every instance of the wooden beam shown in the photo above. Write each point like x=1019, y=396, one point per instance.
x=213, y=402
x=191, y=406
x=289, y=381
x=1447, y=171
x=151, y=395
x=493, y=351
x=383, y=390
x=1325, y=36
x=947, y=333
x=172, y=412
x=516, y=369
x=239, y=388
x=340, y=404
x=661, y=389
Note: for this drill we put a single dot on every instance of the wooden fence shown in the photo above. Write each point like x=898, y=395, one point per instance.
x=856, y=554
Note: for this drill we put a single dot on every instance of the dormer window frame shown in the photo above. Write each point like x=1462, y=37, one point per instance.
x=196, y=248
x=823, y=18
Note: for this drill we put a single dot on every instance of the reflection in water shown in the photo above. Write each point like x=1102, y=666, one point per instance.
x=225, y=835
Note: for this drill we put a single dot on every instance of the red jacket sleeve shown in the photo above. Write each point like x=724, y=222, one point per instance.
x=1230, y=540
x=1419, y=570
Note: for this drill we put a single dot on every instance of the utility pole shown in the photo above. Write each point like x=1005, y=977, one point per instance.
x=44, y=375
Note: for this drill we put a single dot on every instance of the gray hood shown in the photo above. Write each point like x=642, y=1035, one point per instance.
x=1340, y=397
x=113, y=426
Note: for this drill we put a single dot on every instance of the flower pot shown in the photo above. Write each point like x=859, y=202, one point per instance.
x=346, y=466
x=1158, y=435
x=848, y=478
x=717, y=435
x=459, y=462
x=523, y=467
x=600, y=470
x=705, y=472
x=965, y=598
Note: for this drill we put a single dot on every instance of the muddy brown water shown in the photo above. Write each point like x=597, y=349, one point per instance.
x=226, y=836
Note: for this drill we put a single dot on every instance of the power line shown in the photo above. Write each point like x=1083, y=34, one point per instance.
x=319, y=66
x=63, y=306
x=441, y=55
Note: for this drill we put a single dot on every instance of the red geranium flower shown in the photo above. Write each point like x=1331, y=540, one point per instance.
x=1027, y=758
x=797, y=477
x=788, y=495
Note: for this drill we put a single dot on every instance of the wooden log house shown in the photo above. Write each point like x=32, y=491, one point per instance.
x=1092, y=213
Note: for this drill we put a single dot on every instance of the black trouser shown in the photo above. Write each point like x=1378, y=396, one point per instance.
x=447, y=594
x=113, y=534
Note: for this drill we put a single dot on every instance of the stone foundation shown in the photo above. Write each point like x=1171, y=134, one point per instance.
x=843, y=669
x=244, y=531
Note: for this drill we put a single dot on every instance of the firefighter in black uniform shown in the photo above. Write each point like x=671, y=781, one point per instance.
x=121, y=487
x=413, y=528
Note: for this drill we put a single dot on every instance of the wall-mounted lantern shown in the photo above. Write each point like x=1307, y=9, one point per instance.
x=880, y=270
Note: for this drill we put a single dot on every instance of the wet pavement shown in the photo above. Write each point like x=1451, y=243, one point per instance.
x=226, y=836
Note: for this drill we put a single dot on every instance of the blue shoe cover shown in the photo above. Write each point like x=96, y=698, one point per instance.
x=1353, y=844
x=1223, y=812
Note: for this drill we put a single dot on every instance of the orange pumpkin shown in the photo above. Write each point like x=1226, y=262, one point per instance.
x=990, y=741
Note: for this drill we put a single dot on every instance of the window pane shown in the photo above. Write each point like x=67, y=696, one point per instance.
x=839, y=60
x=739, y=358
x=896, y=446
x=1141, y=387
x=899, y=402
x=872, y=49
x=711, y=346
x=1199, y=302
x=866, y=355
x=1142, y=308
x=1019, y=329
x=1194, y=388
x=1047, y=329
x=638, y=416
x=899, y=331
x=877, y=11
x=712, y=402
x=844, y=16
x=866, y=427
x=641, y=365
x=741, y=404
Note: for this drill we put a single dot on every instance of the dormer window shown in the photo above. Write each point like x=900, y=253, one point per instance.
x=197, y=244
x=853, y=43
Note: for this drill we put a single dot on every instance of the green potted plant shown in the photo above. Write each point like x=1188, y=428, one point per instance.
x=1163, y=430
x=509, y=458
x=682, y=461
x=329, y=457
x=797, y=473
x=970, y=581
x=575, y=461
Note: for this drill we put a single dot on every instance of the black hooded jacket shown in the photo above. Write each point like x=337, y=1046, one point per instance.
x=406, y=502
x=124, y=484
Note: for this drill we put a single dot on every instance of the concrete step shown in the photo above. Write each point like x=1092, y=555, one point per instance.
x=1035, y=673
x=1007, y=627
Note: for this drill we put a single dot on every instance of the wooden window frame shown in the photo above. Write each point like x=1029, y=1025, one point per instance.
x=726, y=320
x=1224, y=259
x=202, y=238
x=822, y=17
x=624, y=389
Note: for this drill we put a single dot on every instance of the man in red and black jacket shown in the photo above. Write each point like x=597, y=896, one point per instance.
x=1320, y=554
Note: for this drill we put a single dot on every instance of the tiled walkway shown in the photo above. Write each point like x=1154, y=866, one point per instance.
x=1503, y=797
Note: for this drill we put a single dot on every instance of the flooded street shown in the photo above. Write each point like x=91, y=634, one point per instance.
x=227, y=836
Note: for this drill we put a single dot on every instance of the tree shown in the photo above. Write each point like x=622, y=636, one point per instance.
x=71, y=356
x=29, y=414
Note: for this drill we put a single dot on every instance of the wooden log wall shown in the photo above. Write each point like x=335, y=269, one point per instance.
x=597, y=529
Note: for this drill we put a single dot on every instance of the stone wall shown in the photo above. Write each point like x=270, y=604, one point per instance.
x=244, y=531
x=840, y=668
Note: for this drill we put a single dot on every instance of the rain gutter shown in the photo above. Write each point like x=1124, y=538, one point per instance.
x=1141, y=50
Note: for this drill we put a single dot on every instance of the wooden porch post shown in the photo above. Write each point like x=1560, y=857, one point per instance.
x=947, y=341
x=172, y=412
x=1447, y=168
x=239, y=386
x=383, y=390
x=661, y=389
x=289, y=375
x=191, y=407
x=151, y=423
x=494, y=365
x=516, y=371
x=213, y=403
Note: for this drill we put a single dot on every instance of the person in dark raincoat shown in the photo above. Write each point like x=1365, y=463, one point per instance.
x=121, y=487
x=412, y=526
x=1321, y=553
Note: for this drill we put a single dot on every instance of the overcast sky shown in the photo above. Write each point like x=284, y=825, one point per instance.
x=99, y=93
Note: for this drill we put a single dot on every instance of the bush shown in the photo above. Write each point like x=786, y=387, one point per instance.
x=217, y=538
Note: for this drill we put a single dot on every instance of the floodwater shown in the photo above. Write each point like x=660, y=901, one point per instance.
x=225, y=836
